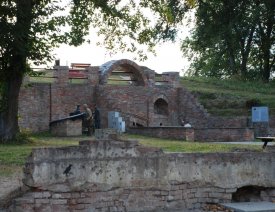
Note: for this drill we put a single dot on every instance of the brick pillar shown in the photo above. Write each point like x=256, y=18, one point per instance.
x=173, y=78
x=93, y=75
x=150, y=76
x=189, y=134
x=62, y=74
x=248, y=134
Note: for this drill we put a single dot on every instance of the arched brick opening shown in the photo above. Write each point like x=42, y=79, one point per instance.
x=248, y=194
x=134, y=72
x=161, y=107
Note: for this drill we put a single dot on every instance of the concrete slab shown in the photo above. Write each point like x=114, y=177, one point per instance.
x=251, y=206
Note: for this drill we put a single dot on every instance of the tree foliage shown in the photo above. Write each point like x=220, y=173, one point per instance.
x=233, y=38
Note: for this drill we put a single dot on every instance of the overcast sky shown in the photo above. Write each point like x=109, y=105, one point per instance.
x=168, y=58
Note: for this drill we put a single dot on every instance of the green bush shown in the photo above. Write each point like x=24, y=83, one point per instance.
x=23, y=137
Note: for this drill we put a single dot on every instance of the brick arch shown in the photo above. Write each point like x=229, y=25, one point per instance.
x=107, y=68
x=160, y=96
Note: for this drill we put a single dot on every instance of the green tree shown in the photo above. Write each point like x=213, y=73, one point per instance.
x=30, y=29
x=232, y=38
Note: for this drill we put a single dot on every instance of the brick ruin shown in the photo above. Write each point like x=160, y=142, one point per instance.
x=111, y=174
x=143, y=98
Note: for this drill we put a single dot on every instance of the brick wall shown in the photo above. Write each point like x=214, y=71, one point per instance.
x=197, y=134
x=42, y=103
x=165, y=132
x=34, y=107
x=191, y=110
x=66, y=97
x=224, y=134
x=137, y=103
x=119, y=175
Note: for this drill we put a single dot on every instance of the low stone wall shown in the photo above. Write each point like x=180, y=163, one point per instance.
x=229, y=122
x=117, y=175
x=165, y=132
x=197, y=134
x=224, y=134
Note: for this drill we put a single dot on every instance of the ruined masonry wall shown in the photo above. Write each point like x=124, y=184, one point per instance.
x=41, y=103
x=191, y=110
x=116, y=175
x=136, y=103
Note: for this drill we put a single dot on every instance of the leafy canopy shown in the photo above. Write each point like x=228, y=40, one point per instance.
x=46, y=24
x=232, y=38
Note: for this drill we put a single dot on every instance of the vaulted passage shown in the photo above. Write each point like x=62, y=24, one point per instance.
x=161, y=107
x=122, y=72
x=124, y=75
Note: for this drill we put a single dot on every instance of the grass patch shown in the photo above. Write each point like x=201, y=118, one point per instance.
x=229, y=97
x=170, y=145
x=13, y=156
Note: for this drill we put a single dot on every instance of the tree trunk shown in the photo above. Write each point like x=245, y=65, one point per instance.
x=10, y=116
x=266, y=69
x=245, y=50
x=17, y=66
x=266, y=40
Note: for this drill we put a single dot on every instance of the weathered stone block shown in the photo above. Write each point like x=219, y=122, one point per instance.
x=59, y=201
x=42, y=201
x=67, y=128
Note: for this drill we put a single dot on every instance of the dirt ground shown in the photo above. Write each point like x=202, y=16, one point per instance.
x=10, y=186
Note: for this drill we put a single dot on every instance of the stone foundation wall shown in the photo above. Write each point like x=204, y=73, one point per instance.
x=118, y=175
x=176, y=197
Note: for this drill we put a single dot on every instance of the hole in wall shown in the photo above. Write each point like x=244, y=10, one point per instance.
x=248, y=194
